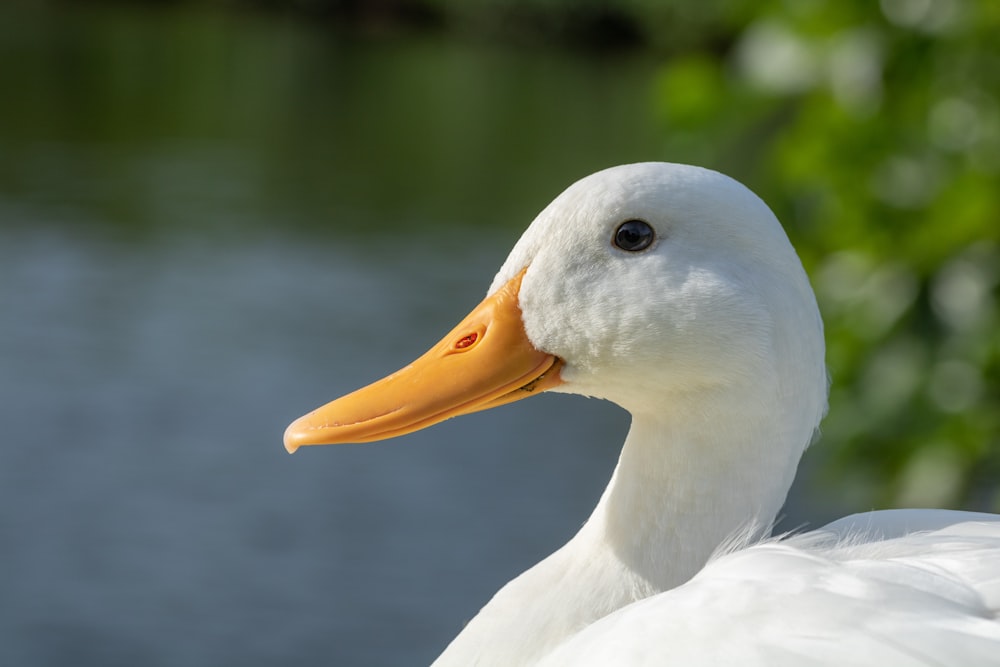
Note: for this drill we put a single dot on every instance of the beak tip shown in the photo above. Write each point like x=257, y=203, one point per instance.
x=293, y=438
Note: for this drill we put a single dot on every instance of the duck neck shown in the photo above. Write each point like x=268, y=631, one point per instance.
x=687, y=483
x=683, y=486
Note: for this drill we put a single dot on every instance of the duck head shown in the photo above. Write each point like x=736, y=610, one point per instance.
x=661, y=287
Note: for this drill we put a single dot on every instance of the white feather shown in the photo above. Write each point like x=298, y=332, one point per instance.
x=920, y=599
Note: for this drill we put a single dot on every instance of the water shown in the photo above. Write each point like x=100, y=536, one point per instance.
x=209, y=224
x=152, y=516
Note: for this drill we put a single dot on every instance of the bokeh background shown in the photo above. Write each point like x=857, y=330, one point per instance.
x=216, y=215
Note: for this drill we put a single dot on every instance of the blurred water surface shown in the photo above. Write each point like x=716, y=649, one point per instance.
x=150, y=514
x=210, y=224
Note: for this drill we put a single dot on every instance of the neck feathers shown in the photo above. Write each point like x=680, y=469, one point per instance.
x=684, y=485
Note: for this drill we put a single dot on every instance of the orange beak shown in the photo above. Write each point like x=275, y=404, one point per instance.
x=486, y=361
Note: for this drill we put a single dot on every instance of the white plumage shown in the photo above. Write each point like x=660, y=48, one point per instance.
x=823, y=598
x=712, y=339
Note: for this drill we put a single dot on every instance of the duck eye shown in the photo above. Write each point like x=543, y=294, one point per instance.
x=633, y=235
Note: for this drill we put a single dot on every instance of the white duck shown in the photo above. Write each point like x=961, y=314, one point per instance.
x=674, y=292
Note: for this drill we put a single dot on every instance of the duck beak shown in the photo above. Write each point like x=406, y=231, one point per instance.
x=486, y=361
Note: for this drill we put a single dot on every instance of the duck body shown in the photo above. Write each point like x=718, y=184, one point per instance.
x=821, y=598
x=674, y=292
